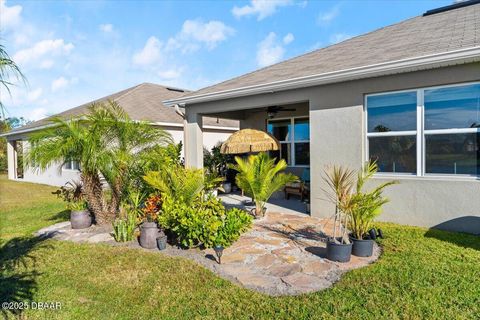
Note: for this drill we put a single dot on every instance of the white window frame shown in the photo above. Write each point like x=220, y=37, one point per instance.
x=420, y=133
x=292, y=139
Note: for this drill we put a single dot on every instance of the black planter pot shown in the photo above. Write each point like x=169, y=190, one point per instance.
x=338, y=252
x=80, y=219
x=362, y=248
x=148, y=235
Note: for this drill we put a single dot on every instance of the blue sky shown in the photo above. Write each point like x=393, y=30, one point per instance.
x=75, y=51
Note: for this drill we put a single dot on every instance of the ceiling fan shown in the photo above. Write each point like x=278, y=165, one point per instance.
x=273, y=110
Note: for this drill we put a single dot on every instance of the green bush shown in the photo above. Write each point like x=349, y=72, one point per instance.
x=204, y=222
x=235, y=222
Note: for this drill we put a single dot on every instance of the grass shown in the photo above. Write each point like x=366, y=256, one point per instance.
x=422, y=274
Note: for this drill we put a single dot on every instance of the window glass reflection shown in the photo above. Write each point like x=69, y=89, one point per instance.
x=392, y=112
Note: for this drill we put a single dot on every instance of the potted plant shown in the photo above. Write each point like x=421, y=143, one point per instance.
x=259, y=176
x=149, y=231
x=72, y=194
x=340, y=182
x=162, y=240
x=365, y=207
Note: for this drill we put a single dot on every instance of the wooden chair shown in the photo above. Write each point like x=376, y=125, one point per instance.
x=301, y=188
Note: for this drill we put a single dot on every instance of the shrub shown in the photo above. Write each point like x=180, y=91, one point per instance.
x=204, y=222
x=235, y=222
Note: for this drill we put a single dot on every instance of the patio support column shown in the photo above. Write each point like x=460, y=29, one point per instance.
x=193, y=137
x=12, y=159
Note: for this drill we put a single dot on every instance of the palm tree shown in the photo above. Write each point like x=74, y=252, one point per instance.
x=259, y=177
x=105, y=142
x=8, y=69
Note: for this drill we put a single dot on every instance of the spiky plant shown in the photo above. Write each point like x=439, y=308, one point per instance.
x=259, y=177
x=105, y=142
x=340, y=182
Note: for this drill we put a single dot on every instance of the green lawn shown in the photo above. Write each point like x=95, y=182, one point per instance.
x=421, y=275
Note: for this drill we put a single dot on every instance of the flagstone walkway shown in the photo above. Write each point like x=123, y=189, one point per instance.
x=283, y=254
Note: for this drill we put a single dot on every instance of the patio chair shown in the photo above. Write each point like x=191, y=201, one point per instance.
x=301, y=188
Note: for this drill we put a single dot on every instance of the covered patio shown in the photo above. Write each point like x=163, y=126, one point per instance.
x=289, y=124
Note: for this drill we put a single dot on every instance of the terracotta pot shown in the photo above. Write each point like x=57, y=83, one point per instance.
x=149, y=233
x=80, y=219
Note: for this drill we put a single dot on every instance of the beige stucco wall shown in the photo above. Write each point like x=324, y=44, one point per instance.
x=337, y=137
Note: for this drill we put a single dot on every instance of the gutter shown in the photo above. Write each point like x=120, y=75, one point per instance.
x=437, y=60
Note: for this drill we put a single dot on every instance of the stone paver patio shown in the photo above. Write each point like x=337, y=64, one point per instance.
x=283, y=254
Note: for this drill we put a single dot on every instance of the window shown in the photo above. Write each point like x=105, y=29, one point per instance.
x=71, y=165
x=392, y=130
x=452, y=119
x=294, y=137
x=431, y=131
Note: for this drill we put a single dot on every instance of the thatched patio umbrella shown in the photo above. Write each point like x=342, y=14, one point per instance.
x=249, y=140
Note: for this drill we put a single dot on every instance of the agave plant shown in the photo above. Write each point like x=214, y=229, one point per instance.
x=259, y=177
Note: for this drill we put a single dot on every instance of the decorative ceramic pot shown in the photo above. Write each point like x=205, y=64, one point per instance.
x=148, y=235
x=80, y=219
x=162, y=240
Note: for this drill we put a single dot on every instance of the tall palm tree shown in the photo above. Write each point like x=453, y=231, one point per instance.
x=259, y=177
x=8, y=70
x=105, y=142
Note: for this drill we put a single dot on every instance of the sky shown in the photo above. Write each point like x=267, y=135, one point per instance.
x=73, y=52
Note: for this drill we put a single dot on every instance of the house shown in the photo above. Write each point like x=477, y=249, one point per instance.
x=406, y=95
x=142, y=102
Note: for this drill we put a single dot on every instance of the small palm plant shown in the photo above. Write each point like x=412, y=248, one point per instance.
x=365, y=206
x=259, y=177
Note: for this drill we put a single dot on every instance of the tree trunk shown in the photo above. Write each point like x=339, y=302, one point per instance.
x=92, y=188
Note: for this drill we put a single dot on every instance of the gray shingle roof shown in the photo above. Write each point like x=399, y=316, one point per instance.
x=141, y=102
x=420, y=36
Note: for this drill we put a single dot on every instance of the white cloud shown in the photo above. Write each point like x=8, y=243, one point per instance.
x=339, y=37
x=59, y=83
x=107, y=28
x=46, y=64
x=150, y=54
x=325, y=18
x=32, y=55
x=270, y=51
x=210, y=33
x=288, y=38
x=34, y=95
x=9, y=16
x=37, y=114
x=260, y=8
x=170, y=74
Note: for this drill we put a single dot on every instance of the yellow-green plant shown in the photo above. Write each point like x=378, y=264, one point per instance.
x=259, y=177
x=365, y=206
x=177, y=182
